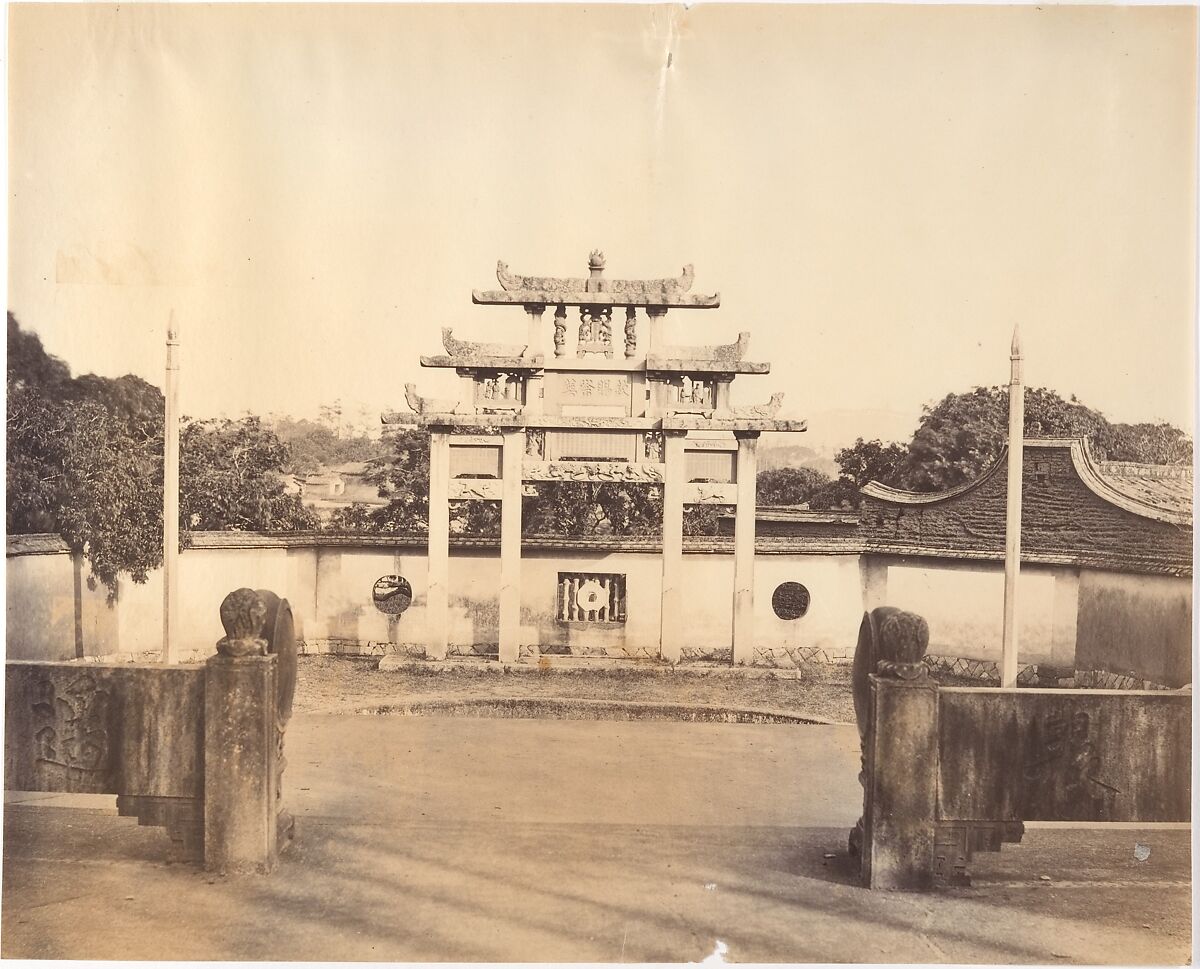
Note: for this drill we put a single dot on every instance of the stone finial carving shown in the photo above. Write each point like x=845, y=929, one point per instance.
x=596, y=260
x=428, y=405
x=903, y=640
x=470, y=351
x=630, y=331
x=724, y=352
x=769, y=409
x=243, y=615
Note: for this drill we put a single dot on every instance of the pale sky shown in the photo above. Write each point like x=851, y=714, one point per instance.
x=878, y=193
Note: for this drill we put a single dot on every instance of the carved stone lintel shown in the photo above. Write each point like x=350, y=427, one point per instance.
x=243, y=614
x=593, y=471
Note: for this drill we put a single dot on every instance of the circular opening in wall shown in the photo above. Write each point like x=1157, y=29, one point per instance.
x=790, y=600
x=392, y=594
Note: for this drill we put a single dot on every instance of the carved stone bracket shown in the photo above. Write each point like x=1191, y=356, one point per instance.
x=630, y=331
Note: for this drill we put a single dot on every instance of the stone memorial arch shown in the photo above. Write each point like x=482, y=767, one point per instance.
x=625, y=407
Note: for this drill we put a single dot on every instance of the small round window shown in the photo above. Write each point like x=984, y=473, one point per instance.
x=790, y=600
x=392, y=594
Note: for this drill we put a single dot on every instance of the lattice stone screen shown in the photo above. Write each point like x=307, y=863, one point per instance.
x=591, y=597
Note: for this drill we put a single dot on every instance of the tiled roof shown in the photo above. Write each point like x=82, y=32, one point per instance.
x=1165, y=487
x=34, y=545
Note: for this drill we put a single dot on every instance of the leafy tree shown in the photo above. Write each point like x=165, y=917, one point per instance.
x=229, y=479
x=29, y=365
x=839, y=495
x=702, y=519
x=74, y=468
x=85, y=460
x=593, y=508
x=558, y=508
x=789, y=486
x=964, y=433
x=313, y=445
x=1149, y=444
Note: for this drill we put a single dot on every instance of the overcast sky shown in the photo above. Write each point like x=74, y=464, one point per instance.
x=878, y=193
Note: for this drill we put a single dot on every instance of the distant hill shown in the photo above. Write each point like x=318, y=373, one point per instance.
x=797, y=456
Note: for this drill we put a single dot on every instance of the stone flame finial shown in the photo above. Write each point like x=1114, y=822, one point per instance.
x=596, y=261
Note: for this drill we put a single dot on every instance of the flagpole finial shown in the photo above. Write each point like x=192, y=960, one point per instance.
x=172, y=329
x=1016, y=342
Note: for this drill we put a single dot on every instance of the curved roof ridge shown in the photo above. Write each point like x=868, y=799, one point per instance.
x=1086, y=467
x=877, y=489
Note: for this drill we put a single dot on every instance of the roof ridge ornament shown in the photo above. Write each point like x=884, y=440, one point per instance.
x=671, y=291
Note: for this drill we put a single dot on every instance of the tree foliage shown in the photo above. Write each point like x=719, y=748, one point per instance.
x=85, y=460
x=312, y=445
x=789, y=486
x=963, y=434
x=230, y=479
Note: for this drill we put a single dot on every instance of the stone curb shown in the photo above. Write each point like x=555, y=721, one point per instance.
x=573, y=708
x=393, y=662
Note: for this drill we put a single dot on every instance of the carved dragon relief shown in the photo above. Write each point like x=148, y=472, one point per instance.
x=470, y=351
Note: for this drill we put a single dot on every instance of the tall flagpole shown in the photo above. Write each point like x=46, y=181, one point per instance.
x=171, y=498
x=1012, y=528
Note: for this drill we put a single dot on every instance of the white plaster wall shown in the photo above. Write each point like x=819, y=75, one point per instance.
x=330, y=591
x=964, y=605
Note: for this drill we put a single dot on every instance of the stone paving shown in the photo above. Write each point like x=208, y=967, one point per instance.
x=498, y=840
